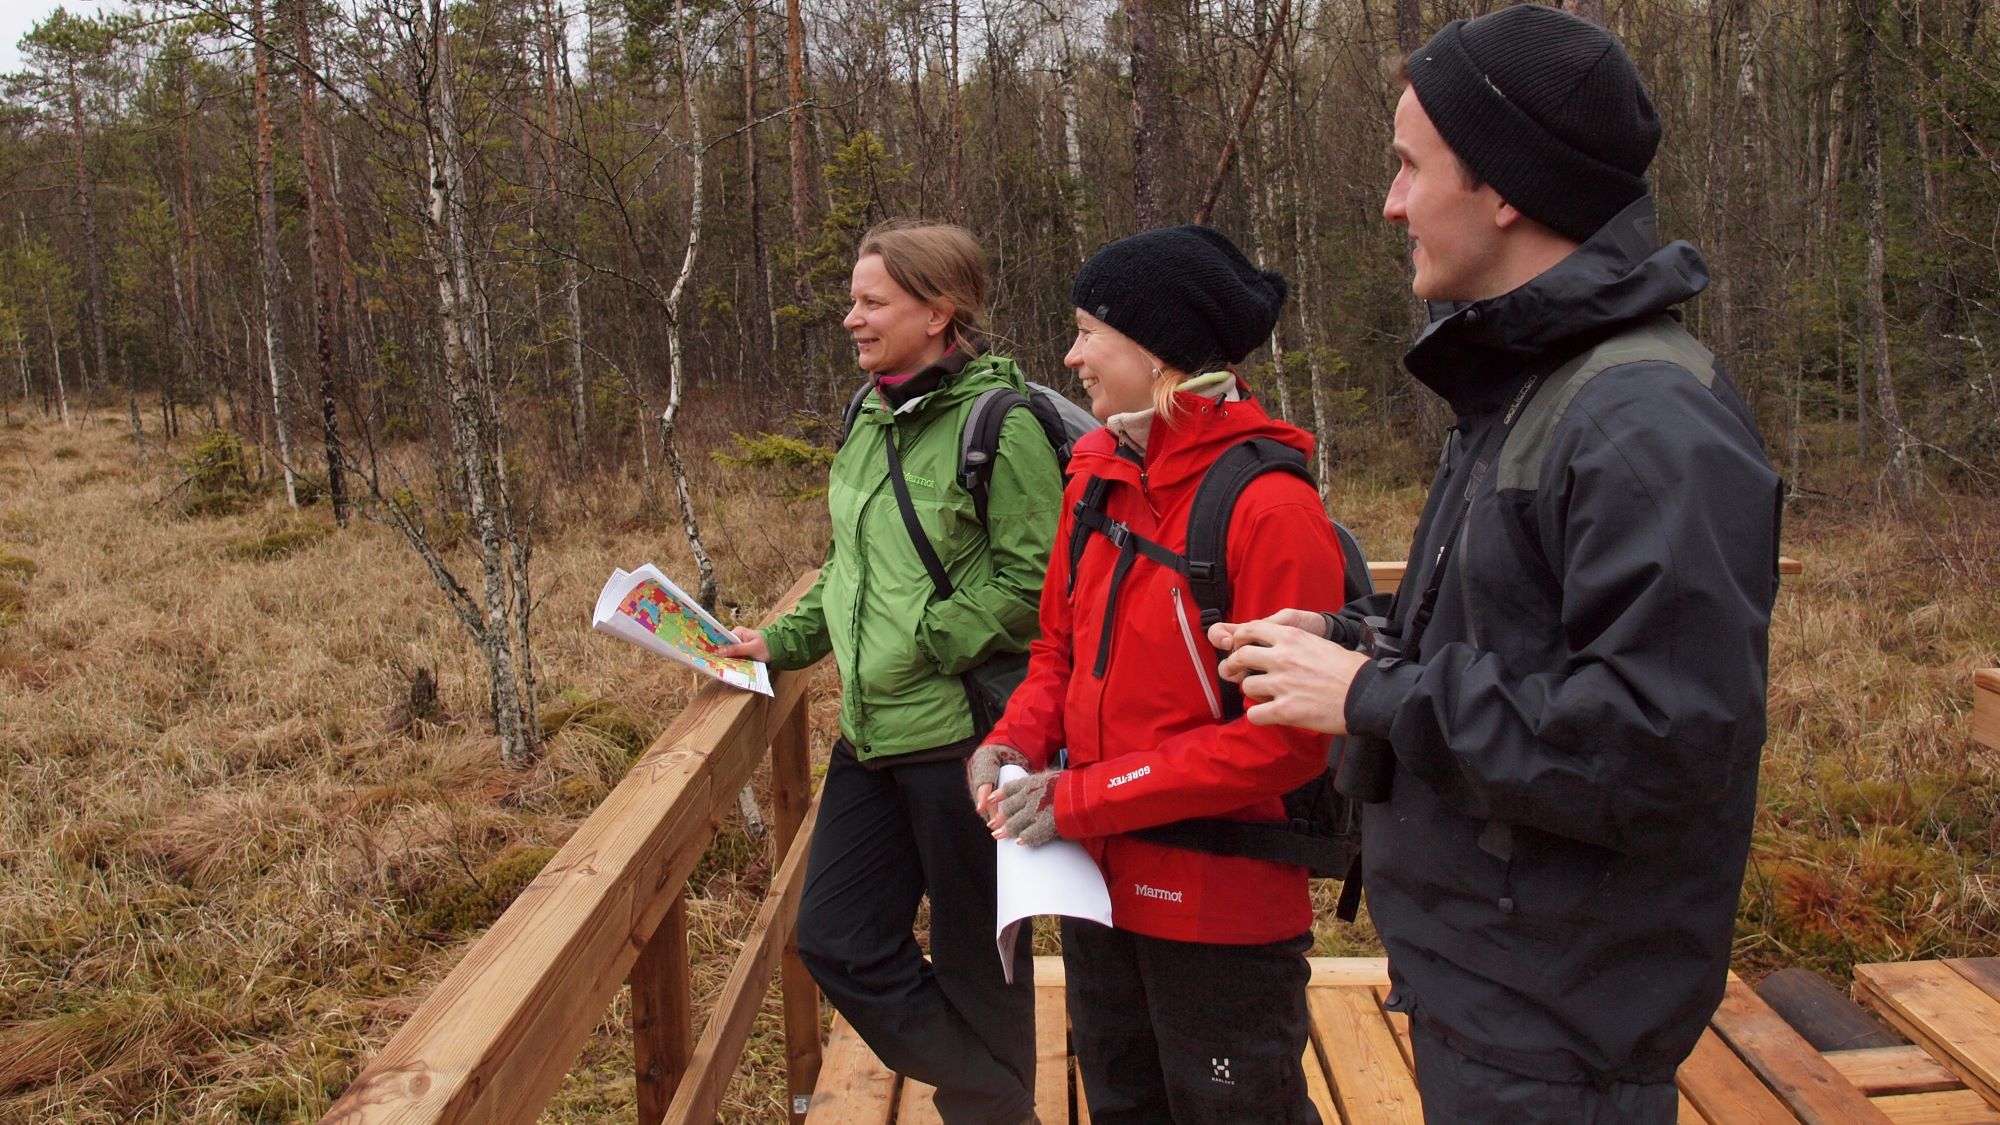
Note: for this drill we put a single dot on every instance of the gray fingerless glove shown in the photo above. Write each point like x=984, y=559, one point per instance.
x=983, y=767
x=1028, y=806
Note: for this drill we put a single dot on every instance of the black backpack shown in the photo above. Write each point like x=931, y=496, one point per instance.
x=1322, y=829
x=1062, y=422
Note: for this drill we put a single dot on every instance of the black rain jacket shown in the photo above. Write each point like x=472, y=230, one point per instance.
x=1556, y=870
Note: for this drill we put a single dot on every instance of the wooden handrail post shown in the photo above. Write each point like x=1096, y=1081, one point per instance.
x=791, y=788
x=662, y=1014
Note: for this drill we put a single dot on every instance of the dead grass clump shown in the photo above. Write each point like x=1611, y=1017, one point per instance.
x=218, y=836
x=97, y=475
x=13, y=596
x=277, y=544
x=65, y=453
x=16, y=567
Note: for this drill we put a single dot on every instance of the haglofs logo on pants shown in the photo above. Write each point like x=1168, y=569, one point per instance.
x=1219, y=1071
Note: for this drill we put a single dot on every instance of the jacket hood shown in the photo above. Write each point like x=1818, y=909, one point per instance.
x=1182, y=450
x=1619, y=276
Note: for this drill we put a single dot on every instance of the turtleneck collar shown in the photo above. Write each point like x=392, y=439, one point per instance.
x=1134, y=428
x=899, y=391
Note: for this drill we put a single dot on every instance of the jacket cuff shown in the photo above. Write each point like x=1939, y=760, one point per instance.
x=786, y=644
x=1071, y=821
x=1377, y=693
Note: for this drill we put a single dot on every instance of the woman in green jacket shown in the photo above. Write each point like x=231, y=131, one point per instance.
x=894, y=823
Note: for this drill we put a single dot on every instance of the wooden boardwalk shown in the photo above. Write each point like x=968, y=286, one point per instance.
x=1750, y=1066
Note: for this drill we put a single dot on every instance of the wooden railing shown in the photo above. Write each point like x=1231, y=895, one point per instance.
x=494, y=1040
x=1986, y=707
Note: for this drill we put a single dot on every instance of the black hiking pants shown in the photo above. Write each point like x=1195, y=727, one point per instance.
x=1464, y=1091
x=885, y=839
x=1187, y=1032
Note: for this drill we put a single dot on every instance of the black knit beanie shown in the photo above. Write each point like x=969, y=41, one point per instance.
x=1186, y=294
x=1545, y=107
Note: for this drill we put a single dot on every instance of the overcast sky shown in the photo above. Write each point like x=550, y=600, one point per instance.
x=17, y=16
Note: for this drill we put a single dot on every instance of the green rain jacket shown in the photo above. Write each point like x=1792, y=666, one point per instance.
x=900, y=650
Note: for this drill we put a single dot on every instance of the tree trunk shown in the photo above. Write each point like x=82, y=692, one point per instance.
x=93, y=253
x=954, y=181
x=1409, y=25
x=1903, y=466
x=703, y=565
x=760, y=254
x=1148, y=114
x=468, y=373
x=267, y=249
x=55, y=358
x=323, y=261
x=1243, y=115
x=795, y=86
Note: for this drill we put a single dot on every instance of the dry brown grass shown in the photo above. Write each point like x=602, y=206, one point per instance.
x=224, y=882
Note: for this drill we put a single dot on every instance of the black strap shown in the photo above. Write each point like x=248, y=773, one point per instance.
x=1278, y=841
x=1089, y=517
x=922, y=542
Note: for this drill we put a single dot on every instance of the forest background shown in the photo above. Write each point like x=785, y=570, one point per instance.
x=353, y=343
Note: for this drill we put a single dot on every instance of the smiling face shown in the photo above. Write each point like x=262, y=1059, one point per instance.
x=1455, y=229
x=894, y=332
x=1116, y=372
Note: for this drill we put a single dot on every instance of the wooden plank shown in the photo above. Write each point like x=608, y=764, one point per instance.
x=1724, y=1089
x=662, y=1014
x=1812, y=1089
x=1051, y=1053
x=495, y=1038
x=791, y=796
x=1983, y=972
x=1399, y=1025
x=1370, y=1081
x=1956, y=1107
x=1318, y=1091
x=714, y=1061
x=1908, y=1069
x=1942, y=1012
x=1348, y=972
x=854, y=1087
x=1986, y=706
x=916, y=1106
x=1688, y=1114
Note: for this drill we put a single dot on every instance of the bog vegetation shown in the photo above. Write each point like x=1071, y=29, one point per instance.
x=350, y=344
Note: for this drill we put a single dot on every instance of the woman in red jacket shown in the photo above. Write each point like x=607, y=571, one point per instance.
x=1191, y=1006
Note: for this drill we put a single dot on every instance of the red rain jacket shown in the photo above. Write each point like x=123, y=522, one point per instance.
x=1146, y=744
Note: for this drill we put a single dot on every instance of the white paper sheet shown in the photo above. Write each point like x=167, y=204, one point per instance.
x=1057, y=878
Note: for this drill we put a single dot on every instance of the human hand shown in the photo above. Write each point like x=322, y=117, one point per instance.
x=1291, y=676
x=1222, y=634
x=1026, y=809
x=982, y=772
x=749, y=643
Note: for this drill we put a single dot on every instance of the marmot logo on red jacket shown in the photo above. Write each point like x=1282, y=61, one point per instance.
x=1125, y=777
x=1144, y=891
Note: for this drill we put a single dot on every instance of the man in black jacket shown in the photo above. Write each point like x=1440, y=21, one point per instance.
x=1562, y=729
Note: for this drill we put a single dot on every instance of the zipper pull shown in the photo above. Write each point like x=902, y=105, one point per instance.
x=1146, y=491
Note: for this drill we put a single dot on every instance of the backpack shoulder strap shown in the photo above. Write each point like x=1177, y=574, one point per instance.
x=1215, y=505
x=1660, y=339
x=1359, y=582
x=853, y=411
x=979, y=441
x=1208, y=529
